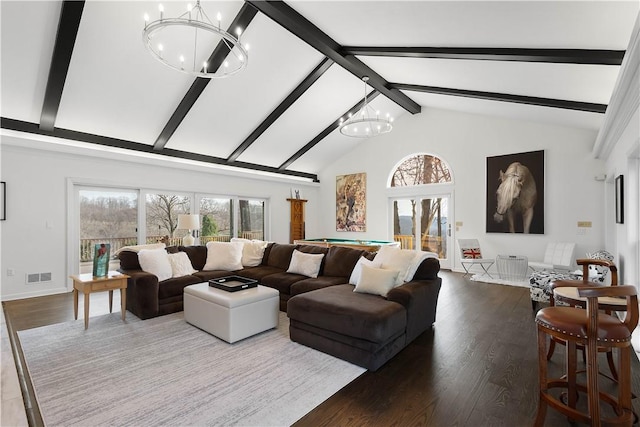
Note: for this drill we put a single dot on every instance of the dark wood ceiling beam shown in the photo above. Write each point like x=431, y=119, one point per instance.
x=288, y=18
x=33, y=128
x=505, y=97
x=284, y=106
x=565, y=56
x=68, y=25
x=333, y=126
x=242, y=20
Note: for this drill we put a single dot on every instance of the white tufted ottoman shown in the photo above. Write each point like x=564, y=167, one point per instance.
x=231, y=316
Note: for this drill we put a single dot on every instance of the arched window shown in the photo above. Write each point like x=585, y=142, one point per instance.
x=420, y=169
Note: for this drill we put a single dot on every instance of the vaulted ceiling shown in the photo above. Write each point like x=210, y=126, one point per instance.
x=79, y=71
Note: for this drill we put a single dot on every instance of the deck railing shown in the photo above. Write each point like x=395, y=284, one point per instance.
x=87, y=245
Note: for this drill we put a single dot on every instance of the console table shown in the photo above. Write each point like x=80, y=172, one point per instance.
x=87, y=284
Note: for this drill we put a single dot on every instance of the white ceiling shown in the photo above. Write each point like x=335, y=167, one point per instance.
x=115, y=89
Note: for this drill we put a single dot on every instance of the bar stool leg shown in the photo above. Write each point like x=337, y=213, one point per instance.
x=572, y=368
x=542, y=378
x=592, y=376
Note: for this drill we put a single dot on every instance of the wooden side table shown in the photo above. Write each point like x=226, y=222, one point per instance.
x=86, y=284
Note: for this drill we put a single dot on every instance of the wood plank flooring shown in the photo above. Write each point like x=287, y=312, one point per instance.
x=476, y=367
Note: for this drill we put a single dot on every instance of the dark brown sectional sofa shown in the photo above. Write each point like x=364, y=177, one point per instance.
x=324, y=312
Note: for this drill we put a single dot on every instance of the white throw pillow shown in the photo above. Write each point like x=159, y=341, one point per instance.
x=305, y=264
x=224, y=256
x=138, y=248
x=355, y=274
x=252, y=251
x=417, y=260
x=376, y=281
x=180, y=264
x=393, y=258
x=156, y=262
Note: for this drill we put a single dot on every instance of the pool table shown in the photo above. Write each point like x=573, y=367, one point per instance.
x=366, y=245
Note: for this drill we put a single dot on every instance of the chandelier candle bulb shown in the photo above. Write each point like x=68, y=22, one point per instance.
x=219, y=18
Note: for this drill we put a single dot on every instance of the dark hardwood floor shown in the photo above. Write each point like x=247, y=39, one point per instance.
x=476, y=367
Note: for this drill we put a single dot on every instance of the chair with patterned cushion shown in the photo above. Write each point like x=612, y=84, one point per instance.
x=540, y=281
x=471, y=255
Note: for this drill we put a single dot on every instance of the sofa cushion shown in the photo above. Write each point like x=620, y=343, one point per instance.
x=376, y=281
x=305, y=264
x=129, y=260
x=197, y=255
x=156, y=262
x=338, y=308
x=224, y=256
x=282, y=281
x=252, y=251
x=311, y=284
x=259, y=272
x=205, y=276
x=174, y=287
x=357, y=270
x=180, y=264
x=340, y=261
x=394, y=258
x=280, y=256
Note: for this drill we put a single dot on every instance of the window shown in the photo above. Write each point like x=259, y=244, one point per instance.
x=420, y=169
x=216, y=215
x=106, y=216
x=162, y=217
x=420, y=204
x=226, y=217
x=251, y=219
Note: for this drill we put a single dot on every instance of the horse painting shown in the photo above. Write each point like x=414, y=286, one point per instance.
x=516, y=194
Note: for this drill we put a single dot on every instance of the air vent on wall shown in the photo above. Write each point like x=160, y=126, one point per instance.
x=37, y=278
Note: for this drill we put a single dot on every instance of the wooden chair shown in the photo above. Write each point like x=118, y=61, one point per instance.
x=593, y=330
x=585, y=282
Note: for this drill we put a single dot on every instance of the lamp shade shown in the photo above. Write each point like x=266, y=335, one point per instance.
x=188, y=222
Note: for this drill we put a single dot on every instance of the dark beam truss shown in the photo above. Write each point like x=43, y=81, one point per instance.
x=68, y=25
x=21, y=126
x=564, y=56
x=505, y=97
x=284, y=105
x=288, y=18
x=242, y=20
x=333, y=126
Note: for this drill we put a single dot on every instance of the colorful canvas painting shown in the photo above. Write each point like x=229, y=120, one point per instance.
x=515, y=193
x=351, y=202
x=101, y=260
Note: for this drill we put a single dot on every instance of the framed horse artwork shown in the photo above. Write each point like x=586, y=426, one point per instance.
x=515, y=193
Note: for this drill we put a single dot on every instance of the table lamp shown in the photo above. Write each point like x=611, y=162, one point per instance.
x=188, y=222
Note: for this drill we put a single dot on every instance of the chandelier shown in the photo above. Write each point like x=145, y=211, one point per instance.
x=366, y=123
x=187, y=43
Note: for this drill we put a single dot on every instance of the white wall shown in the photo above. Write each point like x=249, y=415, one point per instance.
x=465, y=141
x=34, y=236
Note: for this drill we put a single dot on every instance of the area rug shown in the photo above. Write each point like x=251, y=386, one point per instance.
x=486, y=279
x=165, y=371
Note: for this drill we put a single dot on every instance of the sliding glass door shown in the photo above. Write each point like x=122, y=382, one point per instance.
x=106, y=216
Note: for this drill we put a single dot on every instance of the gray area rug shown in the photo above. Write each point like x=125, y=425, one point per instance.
x=163, y=371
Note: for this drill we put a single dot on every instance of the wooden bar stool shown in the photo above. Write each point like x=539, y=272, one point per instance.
x=593, y=330
x=564, y=283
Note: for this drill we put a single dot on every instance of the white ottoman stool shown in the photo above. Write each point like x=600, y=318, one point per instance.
x=231, y=316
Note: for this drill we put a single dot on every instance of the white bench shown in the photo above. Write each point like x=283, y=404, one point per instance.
x=231, y=316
